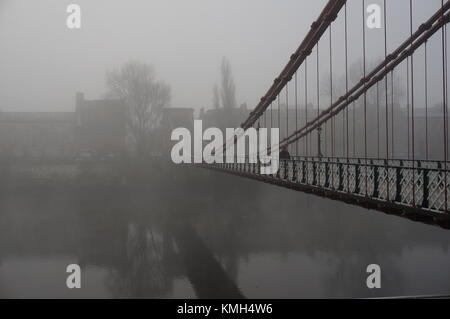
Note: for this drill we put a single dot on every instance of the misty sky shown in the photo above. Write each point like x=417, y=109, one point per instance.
x=43, y=64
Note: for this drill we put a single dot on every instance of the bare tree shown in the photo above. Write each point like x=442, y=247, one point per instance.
x=355, y=74
x=228, y=90
x=145, y=97
x=216, y=98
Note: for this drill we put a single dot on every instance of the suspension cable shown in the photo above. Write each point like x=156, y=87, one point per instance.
x=447, y=81
x=306, y=106
x=412, y=104
x=331, y=94
x=279, y=113
x=444, y=101
x=408, y=93
x=378, y=120
x=271, y=116
x=287, y=110
x=346, y=93
x=365, y=93
x=318, y=102
x=392, y=114
x=265, y=119
x=296, y=111
x=386, y=104
x=354, y=129
x=426, y=101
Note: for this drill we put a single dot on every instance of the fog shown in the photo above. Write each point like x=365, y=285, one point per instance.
x=184, y=40
x=43, y=62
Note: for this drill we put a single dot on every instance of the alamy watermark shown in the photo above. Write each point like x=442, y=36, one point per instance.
x=374, y=279
x=74, y=279
x=73, y=20
x=241, y=145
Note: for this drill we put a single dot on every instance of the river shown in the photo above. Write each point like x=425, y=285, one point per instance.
x=204, y=234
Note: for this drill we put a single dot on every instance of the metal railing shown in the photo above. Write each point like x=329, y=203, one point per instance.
x=416, y=184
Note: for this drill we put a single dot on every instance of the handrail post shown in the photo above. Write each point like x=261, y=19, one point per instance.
x=425, y=189
x=341, y=176
x=376, y=192
x=357, y=177
x=305, y=167
x=398, y=182
x=294, y=171
x=314, y=173
x=286, y=169
x=327, y=172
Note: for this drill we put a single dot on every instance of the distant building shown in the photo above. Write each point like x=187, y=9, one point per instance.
x=100, y=126
x=37, y=134
x=97, y=127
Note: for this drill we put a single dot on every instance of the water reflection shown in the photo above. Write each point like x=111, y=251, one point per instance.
x=208, y=235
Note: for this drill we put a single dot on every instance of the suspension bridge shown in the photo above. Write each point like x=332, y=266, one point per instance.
x=375, y=139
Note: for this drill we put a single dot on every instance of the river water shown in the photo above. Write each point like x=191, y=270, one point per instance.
x=206, y=235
